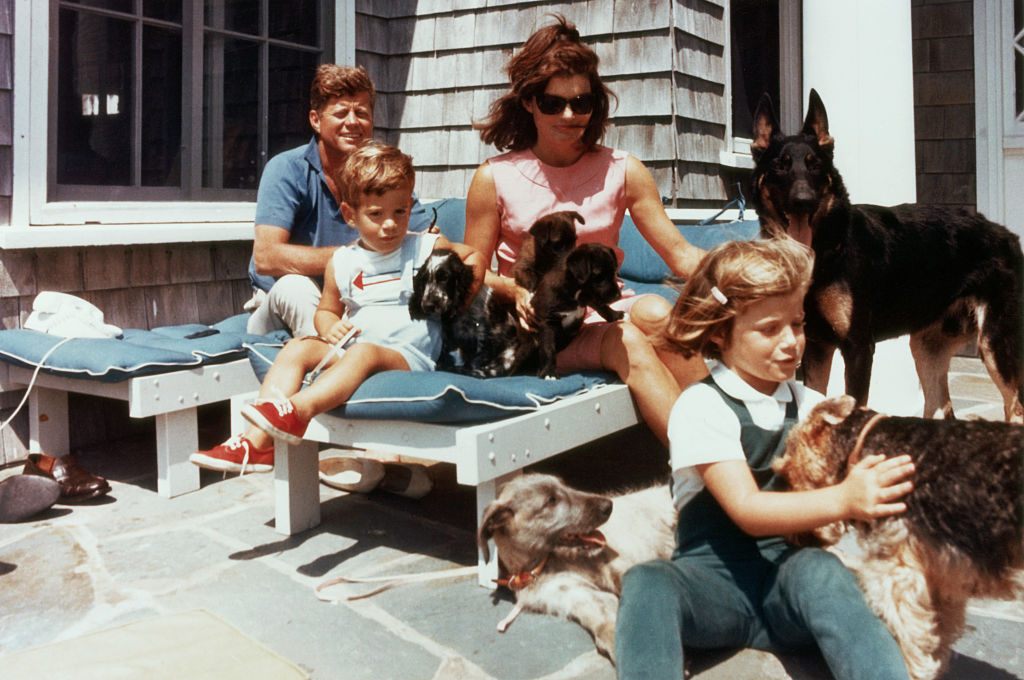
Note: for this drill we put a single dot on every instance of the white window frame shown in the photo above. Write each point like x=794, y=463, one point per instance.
x=737, y=149
x=37, y=222
x=997, y=127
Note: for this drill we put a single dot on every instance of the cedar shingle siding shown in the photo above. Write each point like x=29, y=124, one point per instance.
x=944, y=102
x=438, y=66
x=6, y=106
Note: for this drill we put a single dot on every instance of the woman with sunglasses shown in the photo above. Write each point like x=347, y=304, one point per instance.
x=550, y=123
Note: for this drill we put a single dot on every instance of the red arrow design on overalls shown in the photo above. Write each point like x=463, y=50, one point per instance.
x=361, y=285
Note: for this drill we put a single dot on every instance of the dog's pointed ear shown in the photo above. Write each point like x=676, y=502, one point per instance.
x=578, y=217
x=816, y=122
x=495, y=517
x=765, y=125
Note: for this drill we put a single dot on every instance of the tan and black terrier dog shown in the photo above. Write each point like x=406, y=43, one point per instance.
x=960, y=537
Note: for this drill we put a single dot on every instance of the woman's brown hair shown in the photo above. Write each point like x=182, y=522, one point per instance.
x=551, y=51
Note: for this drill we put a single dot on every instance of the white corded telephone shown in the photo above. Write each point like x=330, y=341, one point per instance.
x=68, y=316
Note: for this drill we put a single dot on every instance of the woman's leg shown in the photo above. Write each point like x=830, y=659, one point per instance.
x=627, y=352
x=815, y=599
x=667, y=604
x=650, y=313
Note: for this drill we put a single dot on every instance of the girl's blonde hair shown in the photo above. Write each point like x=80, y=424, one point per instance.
x=729, y=279
x=375, y=167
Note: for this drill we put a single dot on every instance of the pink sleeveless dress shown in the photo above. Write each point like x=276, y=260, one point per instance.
x=595, y=187
x=528, y=188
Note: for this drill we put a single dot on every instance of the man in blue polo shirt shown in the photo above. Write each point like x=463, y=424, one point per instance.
x=298, y=218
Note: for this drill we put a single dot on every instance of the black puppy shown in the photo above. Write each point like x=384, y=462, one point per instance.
x=439, y=290
x=585, y=278
x=944, y=276
x=550, y=239
x=484, y=339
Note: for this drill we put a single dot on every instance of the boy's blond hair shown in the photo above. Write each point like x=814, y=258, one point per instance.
x=375, y=167
x=729, y=279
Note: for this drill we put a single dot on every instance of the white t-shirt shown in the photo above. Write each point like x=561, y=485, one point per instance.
x=375, y=289
x=702, y=429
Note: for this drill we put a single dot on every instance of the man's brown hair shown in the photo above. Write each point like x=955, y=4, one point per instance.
x=335, y=80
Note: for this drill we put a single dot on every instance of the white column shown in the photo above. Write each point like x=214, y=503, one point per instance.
x=858, y=56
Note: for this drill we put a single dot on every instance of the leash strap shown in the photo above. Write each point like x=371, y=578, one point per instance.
x=854, y=457
x=387, y=582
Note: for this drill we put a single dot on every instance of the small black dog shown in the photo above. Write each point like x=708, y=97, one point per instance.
x=484, y=339
x=585, y=278
x=439, y=290
x=487, y=337
x=944, y=276
x=551, y=238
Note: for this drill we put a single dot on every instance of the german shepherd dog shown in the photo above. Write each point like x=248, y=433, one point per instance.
x=942, y=275
x=566, y=550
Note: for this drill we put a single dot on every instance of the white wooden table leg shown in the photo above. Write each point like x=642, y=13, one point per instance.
x=486, y=492
x=48, y=422
x=238, y=423
x=296, y=487
x=177, y=437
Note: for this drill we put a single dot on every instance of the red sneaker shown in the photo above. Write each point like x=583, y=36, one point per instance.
x=235, y=455
x=277, y=418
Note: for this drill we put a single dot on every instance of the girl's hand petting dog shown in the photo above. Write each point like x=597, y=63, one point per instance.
x=873, y=486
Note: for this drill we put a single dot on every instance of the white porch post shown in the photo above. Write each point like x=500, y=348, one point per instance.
x=858, y=56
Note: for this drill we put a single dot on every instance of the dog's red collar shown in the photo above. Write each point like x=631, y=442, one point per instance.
x=523, y=578
x=859, y=445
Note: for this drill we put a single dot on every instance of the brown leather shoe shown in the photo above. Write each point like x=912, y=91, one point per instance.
x=76, y=483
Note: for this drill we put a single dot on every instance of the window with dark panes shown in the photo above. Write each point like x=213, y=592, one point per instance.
x=755, y=59
x=173, y=100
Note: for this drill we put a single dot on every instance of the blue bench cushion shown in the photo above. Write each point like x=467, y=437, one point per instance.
x=442, y=397
x=137, y=352
x=643, y=265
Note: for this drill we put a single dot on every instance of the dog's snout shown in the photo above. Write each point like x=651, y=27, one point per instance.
x=605, y=507
x=802, y=198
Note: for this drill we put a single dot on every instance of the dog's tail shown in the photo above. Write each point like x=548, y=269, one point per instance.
x=1001, y=342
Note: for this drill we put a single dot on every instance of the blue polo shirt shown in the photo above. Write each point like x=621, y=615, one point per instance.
x=293, y=195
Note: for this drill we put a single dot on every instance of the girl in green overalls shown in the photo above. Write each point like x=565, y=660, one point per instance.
x=733, y=581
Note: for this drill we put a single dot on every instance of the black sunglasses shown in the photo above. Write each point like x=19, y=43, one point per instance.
x=550, y=104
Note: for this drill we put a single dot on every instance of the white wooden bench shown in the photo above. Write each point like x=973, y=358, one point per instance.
x=172, y=397
x=485, y=454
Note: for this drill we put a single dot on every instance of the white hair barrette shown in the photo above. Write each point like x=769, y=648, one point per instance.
x=719, y=295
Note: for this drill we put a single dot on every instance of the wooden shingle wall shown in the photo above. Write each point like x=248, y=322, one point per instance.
x=6, y=110
x=943, y=50
x=142, y=286
x=439, y=64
